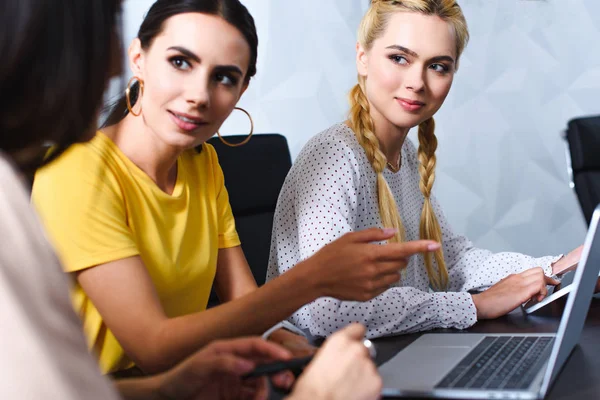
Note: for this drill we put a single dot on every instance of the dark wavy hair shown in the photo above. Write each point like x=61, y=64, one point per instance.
x=231, y=11
x=57, y=57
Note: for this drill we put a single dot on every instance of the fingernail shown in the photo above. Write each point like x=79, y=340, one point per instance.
x=245, y=365
x=389, y=231
x=434, y=246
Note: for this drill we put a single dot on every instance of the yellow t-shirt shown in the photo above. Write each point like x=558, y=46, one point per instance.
x=98, y=207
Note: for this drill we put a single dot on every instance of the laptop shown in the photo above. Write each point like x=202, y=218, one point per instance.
x=496, y=366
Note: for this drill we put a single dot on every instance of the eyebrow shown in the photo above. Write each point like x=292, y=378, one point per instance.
x=412, y=53
x=185, y=52
x=194, y=57
x=229, y=68
x=442, y=58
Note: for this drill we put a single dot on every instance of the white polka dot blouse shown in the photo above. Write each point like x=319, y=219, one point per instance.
x=331, y=190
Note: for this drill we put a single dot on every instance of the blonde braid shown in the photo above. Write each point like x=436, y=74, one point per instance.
x=429, y=227
x=361, y=123
x=373, y=26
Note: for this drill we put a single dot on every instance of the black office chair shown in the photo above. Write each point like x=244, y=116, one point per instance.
x=254, y=174
x=583, y=156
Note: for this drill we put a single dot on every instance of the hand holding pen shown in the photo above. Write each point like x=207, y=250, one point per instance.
x=342, y=368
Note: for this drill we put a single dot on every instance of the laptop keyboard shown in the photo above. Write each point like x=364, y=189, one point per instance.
x=500, y=362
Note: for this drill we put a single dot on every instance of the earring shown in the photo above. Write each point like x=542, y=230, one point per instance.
x=139, y=96
x=245, y=140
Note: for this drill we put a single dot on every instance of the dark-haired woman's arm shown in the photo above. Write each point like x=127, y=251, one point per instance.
x=124, y=295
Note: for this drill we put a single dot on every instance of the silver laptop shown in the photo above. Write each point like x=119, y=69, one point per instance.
x=509, y=366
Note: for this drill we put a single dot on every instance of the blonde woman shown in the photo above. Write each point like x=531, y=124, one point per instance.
x=365, y=173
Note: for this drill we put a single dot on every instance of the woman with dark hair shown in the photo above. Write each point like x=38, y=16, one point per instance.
x=53, y=84
x=57, y=58
x=44, y=353
x=142, y=220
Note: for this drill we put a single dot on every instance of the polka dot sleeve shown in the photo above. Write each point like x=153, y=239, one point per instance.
x=470, y=268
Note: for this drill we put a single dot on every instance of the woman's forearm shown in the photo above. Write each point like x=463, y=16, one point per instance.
x=139, y=388
x=251, y=314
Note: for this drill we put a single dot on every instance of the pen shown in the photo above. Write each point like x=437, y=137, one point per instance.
x=296, y=363
x=273, y=368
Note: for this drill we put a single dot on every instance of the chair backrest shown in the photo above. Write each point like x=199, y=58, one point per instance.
x=254, y=174
x=583, y=137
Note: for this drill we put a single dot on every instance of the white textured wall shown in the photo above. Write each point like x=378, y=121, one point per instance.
x=530, y=67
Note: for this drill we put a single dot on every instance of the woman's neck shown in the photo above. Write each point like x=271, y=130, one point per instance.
x=141, y=145
x=391, y=137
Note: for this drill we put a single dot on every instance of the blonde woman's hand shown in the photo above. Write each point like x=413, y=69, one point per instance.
x=342, y=369
x=511, y=292
x=568, y=262
x=356, y=269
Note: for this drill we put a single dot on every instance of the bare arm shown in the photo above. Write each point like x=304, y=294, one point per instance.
x=124, y=295
x=140, y=388
x=212, y=373
x=234, y=278
x=341, y=369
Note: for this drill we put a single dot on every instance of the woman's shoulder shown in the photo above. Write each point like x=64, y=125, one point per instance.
x=336, y=144
x=89, y=166
x=336, y=136
x=83, y=158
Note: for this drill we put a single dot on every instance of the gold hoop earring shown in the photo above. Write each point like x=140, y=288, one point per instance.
x=140, y=94
x=245, y=140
